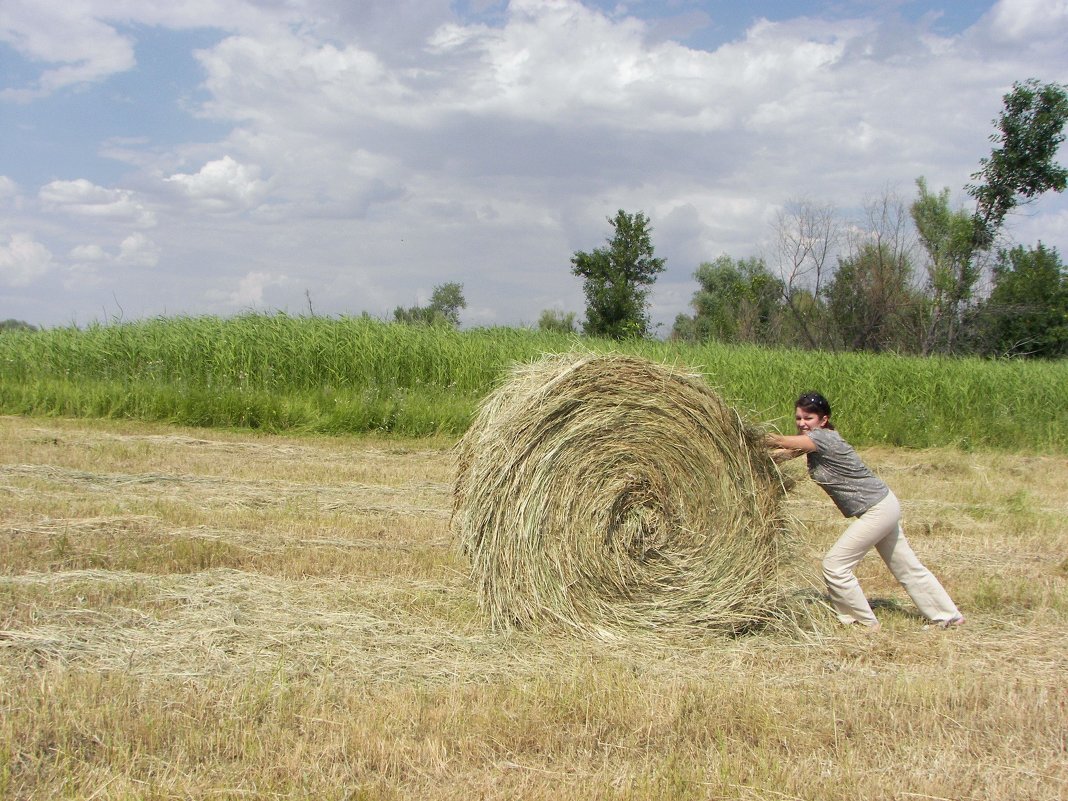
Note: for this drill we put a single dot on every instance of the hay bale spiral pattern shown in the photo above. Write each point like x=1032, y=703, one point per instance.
x=610, y=493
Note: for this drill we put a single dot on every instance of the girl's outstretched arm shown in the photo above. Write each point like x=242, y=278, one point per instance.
x=796, y=442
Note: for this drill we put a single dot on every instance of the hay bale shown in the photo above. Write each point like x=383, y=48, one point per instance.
x=611, y=493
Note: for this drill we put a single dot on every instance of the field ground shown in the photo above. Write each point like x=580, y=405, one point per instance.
x=202, y=614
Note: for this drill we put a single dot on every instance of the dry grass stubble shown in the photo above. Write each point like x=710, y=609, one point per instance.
x=231, y=621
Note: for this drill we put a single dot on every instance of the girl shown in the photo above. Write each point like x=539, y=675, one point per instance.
x=857, y=492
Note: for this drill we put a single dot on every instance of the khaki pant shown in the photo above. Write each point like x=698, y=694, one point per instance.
x=881, y=526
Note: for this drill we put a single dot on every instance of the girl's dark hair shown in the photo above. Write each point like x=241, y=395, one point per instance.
x=815, y=403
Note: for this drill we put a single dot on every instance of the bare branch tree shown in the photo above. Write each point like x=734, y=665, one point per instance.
x=807, y=235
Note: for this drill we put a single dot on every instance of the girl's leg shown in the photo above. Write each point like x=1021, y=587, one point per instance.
x=847, y=597
x=920, y=583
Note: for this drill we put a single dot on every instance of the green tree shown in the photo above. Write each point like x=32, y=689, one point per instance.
x=736, y=301
x=1029, y=131
x=684, y=329
x=444, y=308
x=557, y=322
x=865, y=298
x=12, y=324
x=948, y=237
x=615, y=279
x=1027, y=311
x=806, y=317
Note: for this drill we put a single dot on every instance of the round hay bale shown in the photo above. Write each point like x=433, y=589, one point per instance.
x=612, y=493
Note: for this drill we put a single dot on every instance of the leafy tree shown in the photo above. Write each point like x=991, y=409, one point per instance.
x=1030, y=129
x=863, y=300
x=1027, y=311
x=1021, y=166
x=615, y=279
x=16, y=325
x=805, y=318
x=446, y=300
x=948, y=237
x=737, y=301
x=553, y=321
x=444, y=308
x=684, y=329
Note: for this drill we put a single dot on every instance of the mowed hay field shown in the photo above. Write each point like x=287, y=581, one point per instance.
x=192, y=613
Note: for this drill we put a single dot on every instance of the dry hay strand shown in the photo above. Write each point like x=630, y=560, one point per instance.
x=613, y=495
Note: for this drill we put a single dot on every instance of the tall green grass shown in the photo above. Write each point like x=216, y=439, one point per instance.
x=313, y=374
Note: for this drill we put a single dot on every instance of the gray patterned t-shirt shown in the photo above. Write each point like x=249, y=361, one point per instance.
x=835, y=466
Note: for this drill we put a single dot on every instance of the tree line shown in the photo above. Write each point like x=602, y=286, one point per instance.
x=882, y=294
x=906, y=277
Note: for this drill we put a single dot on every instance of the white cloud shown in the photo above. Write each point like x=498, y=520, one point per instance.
x=562, y=99
x=83, y=269
x=88, y=253
x=222, y=186
x=80, y=276
x=85, y=49
x=1028, y=21
x=249, y=291
x=84, y=198
x=137, y=250
x=305, y=84
x=562, y=62
x=23, y=260
x=9, y=190
x=89, y=265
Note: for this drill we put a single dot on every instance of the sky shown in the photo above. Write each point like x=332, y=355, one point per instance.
x=215, y=157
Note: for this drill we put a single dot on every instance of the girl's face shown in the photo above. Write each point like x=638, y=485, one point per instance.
x=809, y=421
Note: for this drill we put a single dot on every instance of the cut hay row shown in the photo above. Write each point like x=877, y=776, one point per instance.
x=272, y=451
x=74, y=530
x=217, y=491
x=611, y=494
x=223, y=623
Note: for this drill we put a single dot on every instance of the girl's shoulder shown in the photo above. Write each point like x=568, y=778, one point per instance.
x=825, y=435
x=827, y=439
